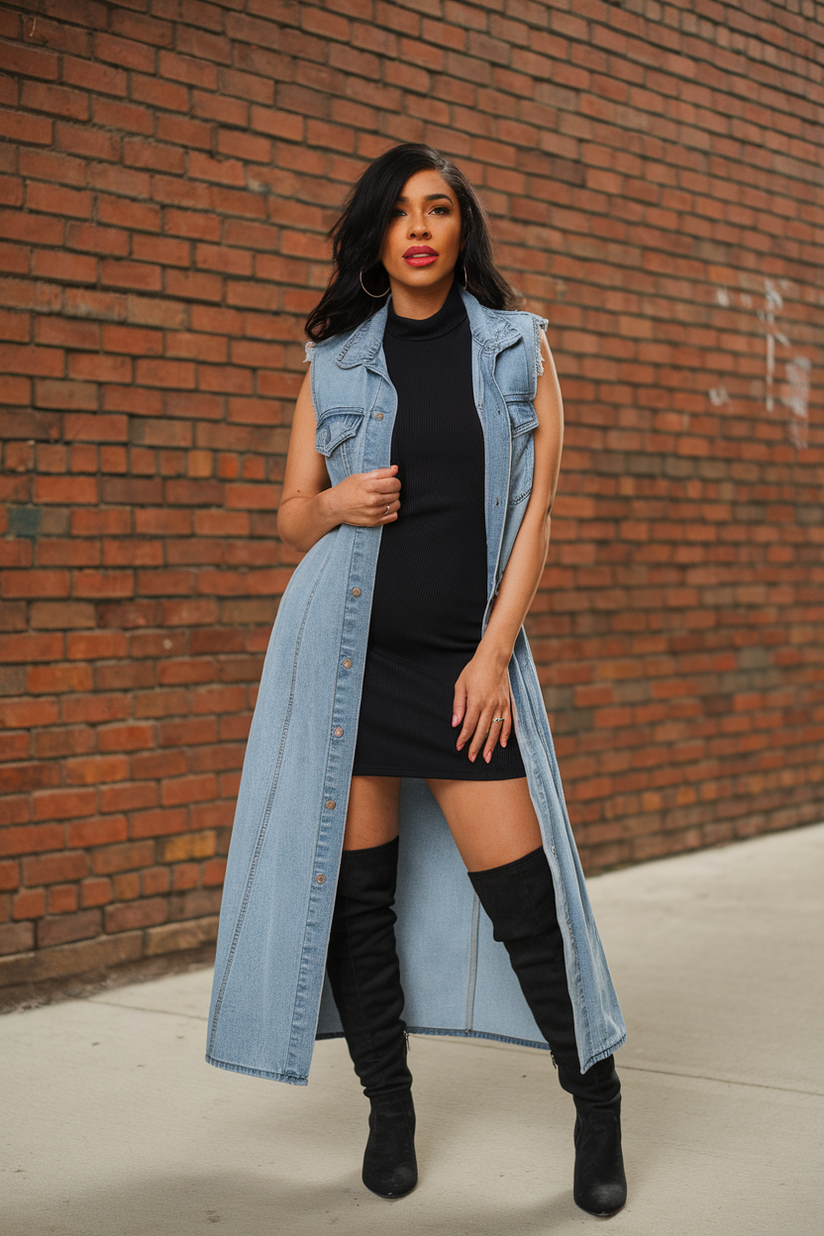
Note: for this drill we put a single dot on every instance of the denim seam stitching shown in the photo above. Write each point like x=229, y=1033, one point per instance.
x=250, y=879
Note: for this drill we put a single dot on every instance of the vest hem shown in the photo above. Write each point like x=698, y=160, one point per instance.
x=607, y=1051
x=291, y=1079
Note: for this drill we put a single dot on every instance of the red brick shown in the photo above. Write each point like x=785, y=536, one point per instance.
x=57, y=200
x=35, y=583
x=124, y=857
x=90, y=76
x=62, y=266
x=15, y=390
x=100, y=523
x=153, y=155
x=97, y=830
x=59, y=100
x=159, y=822
x=188, y=69
x=193, y=285
x=30, y=62
x=168, y=373
x=31, y=838
x=139, y=276
x=95, y=892
x=68, y=927
x=91, y=143
x=69, y=740
x=9, y=876
x=63, y=899
x=159, y=93
x=19, y=127
x=97, y=367
x=126, y=887
x=29, y=903
x=16, y=938
x=65, y=489
x=55, y=679
x=128, y=116
x=121, y=213
x=162, y=249
x=15, y=326
x=63, y=804
x=143, y=913
x=125, y=52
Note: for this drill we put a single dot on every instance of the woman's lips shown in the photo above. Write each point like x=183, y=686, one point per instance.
x=420, y=259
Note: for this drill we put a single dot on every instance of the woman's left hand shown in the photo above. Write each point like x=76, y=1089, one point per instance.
x=481, y=695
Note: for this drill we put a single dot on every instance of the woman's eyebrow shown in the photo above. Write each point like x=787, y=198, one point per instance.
x=430, y=197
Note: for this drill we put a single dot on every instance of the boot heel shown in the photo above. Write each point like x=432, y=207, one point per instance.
x=600, y=1184
x=390, y=1167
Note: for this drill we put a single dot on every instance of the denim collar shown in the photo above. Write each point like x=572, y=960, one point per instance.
x=490, y=328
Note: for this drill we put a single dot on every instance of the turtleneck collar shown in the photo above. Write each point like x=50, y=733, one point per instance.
x=450, y=315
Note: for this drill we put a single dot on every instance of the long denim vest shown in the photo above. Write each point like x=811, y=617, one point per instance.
x=270, y=998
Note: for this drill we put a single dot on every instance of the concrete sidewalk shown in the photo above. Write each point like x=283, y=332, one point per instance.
x=113, y=1125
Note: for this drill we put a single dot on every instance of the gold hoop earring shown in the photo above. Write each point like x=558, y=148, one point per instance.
x=374, y=295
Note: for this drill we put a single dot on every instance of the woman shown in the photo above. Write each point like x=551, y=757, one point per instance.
x=399, y=701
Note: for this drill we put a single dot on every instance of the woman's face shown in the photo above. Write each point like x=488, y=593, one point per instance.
x=423, y=239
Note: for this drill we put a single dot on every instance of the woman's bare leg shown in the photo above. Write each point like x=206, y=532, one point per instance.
x=492, y=822
x=372, y=815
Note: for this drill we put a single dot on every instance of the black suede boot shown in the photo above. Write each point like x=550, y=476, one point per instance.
x=363, y=969
x=520, y=900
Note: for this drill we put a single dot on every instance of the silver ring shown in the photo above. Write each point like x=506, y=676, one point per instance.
x=386, y=512
x=494, y=719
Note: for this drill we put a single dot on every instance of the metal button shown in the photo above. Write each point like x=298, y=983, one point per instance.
x=378, y=416
x=356, y=592
x=338, y=731
x=347, y=664
x=330, y=804
x=320, y=879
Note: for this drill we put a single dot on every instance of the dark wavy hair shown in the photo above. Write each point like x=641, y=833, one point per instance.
x=357, y=239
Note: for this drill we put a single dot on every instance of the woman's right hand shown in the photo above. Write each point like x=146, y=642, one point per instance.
x=363, y=498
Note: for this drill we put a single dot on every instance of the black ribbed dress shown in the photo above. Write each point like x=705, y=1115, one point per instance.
x=430, y=583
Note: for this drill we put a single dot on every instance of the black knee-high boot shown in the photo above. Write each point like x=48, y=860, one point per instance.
x=363, y=969
x=520, y=900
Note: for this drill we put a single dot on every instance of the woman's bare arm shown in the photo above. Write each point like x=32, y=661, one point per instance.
x=310, y=505
x=528, y=558
x=482, y=690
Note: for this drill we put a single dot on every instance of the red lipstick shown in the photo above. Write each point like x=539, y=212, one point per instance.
x=420, y=255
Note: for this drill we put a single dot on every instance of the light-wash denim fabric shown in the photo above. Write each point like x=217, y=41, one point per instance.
x=270, y=998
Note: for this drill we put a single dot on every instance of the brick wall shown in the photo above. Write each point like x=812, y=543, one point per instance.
x=169, y=169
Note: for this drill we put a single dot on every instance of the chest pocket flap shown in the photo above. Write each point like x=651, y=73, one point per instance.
x=522, y=415
x=335, y=425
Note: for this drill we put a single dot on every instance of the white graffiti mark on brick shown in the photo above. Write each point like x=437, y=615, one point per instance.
x=773, y=303
x=796, y=396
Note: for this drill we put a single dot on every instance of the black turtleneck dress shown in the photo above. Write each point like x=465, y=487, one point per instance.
x=430, y=584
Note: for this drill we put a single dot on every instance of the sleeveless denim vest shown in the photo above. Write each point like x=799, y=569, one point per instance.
x=270, y=998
